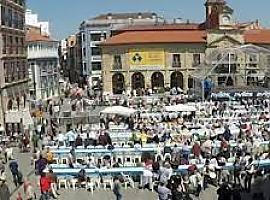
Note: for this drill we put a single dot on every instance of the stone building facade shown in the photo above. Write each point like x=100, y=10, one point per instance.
x=14, y=77
x=174, y=55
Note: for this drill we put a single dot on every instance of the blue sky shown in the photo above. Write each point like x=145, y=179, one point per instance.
x=65, y=16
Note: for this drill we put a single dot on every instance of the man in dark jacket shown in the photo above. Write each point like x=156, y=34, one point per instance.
x=4, y=190
x=40, y=165
x=14, y=169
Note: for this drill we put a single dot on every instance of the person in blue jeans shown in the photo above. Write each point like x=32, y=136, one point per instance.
x=117, y=188
x=14, y=169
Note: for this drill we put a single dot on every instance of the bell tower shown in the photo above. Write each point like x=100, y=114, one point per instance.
x=214, y=9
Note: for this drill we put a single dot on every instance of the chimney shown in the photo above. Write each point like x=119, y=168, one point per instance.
x=109, y=16
x=154, y=15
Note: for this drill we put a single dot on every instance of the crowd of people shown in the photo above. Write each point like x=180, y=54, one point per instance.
x=222, y=144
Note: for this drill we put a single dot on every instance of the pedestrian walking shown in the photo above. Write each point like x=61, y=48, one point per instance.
x=14, y=169
x=117, y=188
x=4, y=190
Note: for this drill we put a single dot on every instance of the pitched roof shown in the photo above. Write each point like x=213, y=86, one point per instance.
x=125, y=15
x=257, y=36
x=160, y=26
x=157, y=36
x=35, y=37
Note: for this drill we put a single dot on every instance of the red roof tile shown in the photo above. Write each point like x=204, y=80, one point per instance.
x=34, y=37
x=257, y=36
x=157, y=36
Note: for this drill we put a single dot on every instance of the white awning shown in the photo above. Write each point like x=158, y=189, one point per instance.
x=119, y=110
x=13, y=117
x=180, y=108
x=27, y=119
x=17, y=116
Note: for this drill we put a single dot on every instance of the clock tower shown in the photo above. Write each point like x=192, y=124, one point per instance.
x=218, y=14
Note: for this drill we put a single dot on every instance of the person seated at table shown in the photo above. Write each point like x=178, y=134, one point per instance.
x=227, y=133
x=117, y=164
x=49, y=156
x=104, y=138
x=144, y=137
x=81, y=176
x=78, y=141
x=209, y=174
x=196, y=150
x=71, y=158
x=165, y=172
x=87, y=141
x=195, y=180
x=90, y=163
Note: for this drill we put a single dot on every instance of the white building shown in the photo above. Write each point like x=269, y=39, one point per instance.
x=31, y=19
x=43, y=61
x=97, y=29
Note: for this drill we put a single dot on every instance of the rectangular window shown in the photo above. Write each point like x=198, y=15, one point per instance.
x=16, y=45
x=117, y=63
x=3, y=15
x=83, y=37
x=9, y=17
x=96, y=66
x=96, y=37
x=4, y=50
x=15, y=20
x=96, y=51
x=10, y=45
x=84, y=52
x=84, y=67
x=196, y=59
x=190, y=82
x=253, y=58
x=176, y=60
x=6, y=72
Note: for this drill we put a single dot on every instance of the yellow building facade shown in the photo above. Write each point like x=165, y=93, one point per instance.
x=173, y=55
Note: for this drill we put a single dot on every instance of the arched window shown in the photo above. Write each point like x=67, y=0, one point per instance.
x=118, y=83
x=9, y=104
x=137, y=81
x=157, y=80
x=177, y=80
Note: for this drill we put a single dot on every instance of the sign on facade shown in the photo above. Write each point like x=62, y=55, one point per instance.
x=147, y=57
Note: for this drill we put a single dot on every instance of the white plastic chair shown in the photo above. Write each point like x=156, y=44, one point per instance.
x=62, y=181
x=128, y=181
x=107, y=181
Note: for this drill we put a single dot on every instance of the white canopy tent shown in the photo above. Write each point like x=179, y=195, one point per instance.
x=180, y=108
x=119, y=110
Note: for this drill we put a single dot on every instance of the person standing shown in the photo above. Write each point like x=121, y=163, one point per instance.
x=4, y=190
x=14, y=169
x=117, y=188
x=45, y=187
x=164, y=193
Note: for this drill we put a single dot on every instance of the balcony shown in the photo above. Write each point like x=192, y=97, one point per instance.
x=95, y=43
x=44, y=53
x=176, y=64
x=117, y=66
x=96, y=58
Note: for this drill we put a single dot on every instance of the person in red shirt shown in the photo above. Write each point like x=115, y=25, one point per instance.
x=196, y=150
x=45, y=186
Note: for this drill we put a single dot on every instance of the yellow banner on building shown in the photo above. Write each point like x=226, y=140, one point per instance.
x=147, y=57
